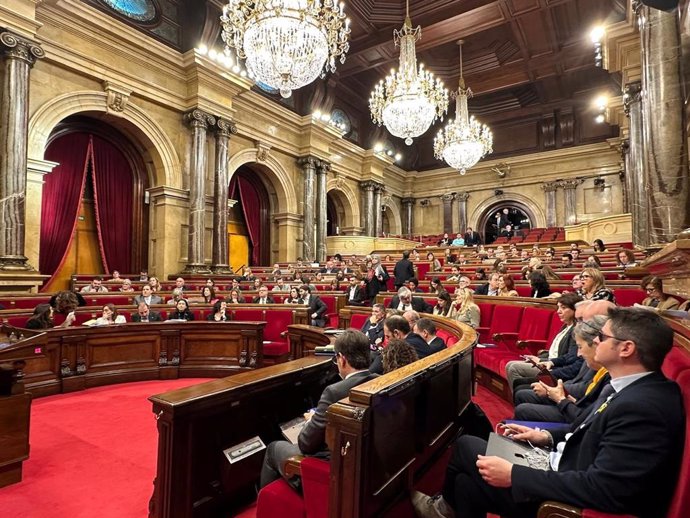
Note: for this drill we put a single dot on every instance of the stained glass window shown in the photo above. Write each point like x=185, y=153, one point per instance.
x=137, y=10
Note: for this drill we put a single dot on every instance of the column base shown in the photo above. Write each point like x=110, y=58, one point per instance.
x=195, y=268
x=21, y=280
x=15, y=263
x=222, y=269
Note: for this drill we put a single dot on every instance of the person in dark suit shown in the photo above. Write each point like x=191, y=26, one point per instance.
x=376, y=277
x=373, y=327
x=491, y=287
x=404, y=301
x=317, y=307
x=147, y=297
x=403, y=270
x=623, y=457
x=472, y=237
x=329, y=268
x=355, y=292
x=507, y=231
x=262, y=297
x=352, y=360
x=397, y=327
x=426, y=328
x=144, y=314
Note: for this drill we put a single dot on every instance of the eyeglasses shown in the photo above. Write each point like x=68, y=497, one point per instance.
x=602, y=337
x=335, y=358
x=650, y=290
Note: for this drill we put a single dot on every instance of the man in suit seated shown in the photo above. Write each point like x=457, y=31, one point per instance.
x=330, y=269
x=491, y=287
x=507, y=231
x=317, y=307
x=397, y=327
x=262, y=297
x=352, y=359
x=147, y=296
x=144, y=314
x=96, y=286
x=623, y=457
x=426, y=328
x=355, y=292
x=373, y=327
x=404, y=301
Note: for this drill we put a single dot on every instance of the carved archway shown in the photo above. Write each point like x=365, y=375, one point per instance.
x=485, y=210
x=392, y=214
x=273, y=175
x=345, y=202
x=144, y=132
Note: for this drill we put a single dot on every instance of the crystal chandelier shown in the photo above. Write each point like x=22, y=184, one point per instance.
x=286, y=44
x=464, y=141
x=409, y=100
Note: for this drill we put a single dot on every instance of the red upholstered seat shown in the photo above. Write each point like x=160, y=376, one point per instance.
x=357, y=320
x=486, y=312
x=332, y=313
x=534, y=327
x=279, y=499
x=315, y=480
x=422, y=270
x=275, y=332
x=524, y=291
x=628, y=297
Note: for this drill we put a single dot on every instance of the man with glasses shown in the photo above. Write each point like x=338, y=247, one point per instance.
x=352, y=360
x=623, y=457
x=144, y=314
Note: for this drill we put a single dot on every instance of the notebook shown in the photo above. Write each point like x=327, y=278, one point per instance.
x=516, y=452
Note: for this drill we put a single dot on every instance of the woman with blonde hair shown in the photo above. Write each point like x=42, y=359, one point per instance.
x=464, y=309
x=155, y=285
x=506, y=286
x=594, y=287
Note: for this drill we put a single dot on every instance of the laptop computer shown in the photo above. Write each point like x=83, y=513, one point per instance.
x=517, y=452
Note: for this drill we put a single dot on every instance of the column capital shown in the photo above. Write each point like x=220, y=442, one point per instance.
x=323, y=167
x=368, y=185
x=379, y=188
x=550, y=186
x=570, y=184
x=14, y=46
x=224, y=128
x=447, y=198
x=462, y=196
x=197, y=118
x=632, y=93
x=408, y=201
x=308, y=162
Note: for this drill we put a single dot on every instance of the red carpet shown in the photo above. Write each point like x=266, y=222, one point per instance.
x=93, y=453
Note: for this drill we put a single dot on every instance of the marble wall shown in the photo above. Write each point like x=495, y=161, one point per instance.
x=99, y=67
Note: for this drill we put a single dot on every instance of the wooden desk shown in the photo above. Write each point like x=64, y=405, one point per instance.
x=195, y=425
x=304, y=339
x=68, y=359
x=15, y=410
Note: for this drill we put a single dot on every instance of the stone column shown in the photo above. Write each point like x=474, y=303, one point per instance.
x=219, y=255
x=322, y=169
x=623, y=173
x=308, y=165
x=462, y=210
x=665, y=143
x=636, y=166
x=447, y=212
x=19, y=55
x=550, y=202
x=408, y=222
x=369, y=219
x=199, y=121
x=570, y=188
x=378, y=206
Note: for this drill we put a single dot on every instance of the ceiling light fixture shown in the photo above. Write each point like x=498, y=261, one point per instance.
x=464, y=141
x=287, y=44
x=408, y=101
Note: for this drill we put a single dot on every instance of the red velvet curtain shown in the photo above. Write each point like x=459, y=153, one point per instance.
x=251, y=206
x=113, y=198
x=62, y=192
